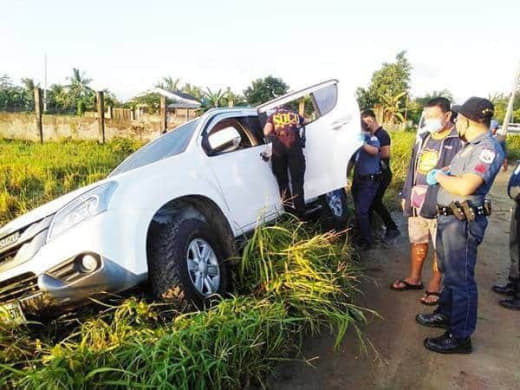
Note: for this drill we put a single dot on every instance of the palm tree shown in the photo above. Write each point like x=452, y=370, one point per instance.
x=213, y=98
x=392, y=109
x=29, y=84
x=79, y=83
x=80, y=94
x=169, y=83
x=193, y=90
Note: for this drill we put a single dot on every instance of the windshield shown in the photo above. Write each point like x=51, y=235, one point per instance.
x=168, y=145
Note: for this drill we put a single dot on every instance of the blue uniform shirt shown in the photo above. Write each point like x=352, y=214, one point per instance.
x=483, y=156
x=367, y=164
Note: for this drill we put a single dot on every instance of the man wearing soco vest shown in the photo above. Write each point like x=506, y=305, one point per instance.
x=283, y=128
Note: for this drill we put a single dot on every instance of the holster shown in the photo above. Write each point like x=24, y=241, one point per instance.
x=468, y=211
x=457, y=210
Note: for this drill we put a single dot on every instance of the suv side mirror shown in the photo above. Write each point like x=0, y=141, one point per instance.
x=225, y=140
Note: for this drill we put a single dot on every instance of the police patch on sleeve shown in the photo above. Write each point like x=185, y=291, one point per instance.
x=487, y=156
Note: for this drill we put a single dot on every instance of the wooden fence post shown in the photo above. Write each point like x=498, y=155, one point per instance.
x=38, y=109
x=101, y=114
x=164, y=117
x=301, y=107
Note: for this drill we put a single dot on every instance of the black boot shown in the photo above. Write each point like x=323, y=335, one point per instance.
x=505, y=289
x=434, y=320
x=448, y=344
x=513, y=303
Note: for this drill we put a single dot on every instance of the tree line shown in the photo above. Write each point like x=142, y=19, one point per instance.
x=389, y=90
x=388, y=93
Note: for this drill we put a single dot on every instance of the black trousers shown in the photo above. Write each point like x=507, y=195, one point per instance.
x=290, y=159
x=514, y=247
x=377, y=204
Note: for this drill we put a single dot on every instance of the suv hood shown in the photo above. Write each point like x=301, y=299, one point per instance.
x=43, y=211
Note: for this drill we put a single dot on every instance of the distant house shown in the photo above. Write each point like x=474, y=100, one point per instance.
x=183, y=108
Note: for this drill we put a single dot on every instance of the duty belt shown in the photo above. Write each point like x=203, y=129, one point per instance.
x=464, y=211
x=372, y=177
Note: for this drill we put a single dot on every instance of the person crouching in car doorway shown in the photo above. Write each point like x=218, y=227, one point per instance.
x=435, y=147
x=367, y=174
x=283, y=129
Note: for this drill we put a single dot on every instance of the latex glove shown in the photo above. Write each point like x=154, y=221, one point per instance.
x=431, y=178
x=361, y=138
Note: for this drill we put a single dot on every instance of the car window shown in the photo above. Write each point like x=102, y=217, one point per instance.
x=248, y=136
x=314, y=105
x=325, y=98
x=170, y=144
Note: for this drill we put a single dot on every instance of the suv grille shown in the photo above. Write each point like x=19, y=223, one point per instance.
x=19, y=287
x=24, y=243
x=9, y=254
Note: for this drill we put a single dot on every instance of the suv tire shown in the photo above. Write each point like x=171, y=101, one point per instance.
x=187, y=263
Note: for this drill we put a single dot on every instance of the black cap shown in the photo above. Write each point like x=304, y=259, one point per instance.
x=477, y=109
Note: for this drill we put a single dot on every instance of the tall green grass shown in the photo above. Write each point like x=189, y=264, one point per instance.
x=289, y=282
x=32, y=174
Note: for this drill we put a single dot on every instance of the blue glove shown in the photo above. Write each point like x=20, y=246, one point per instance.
x=361, y=138
x=431, y=178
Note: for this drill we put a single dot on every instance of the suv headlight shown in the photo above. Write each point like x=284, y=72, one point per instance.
x=85, y=206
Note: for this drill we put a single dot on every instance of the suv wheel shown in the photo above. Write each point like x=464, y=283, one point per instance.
x=187, y=262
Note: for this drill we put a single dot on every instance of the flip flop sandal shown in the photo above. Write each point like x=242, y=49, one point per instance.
x=428, y=294
x=407, y=286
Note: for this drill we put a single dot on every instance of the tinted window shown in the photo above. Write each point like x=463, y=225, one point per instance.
x=312, y=106
x=325, y=98
x=168, y=145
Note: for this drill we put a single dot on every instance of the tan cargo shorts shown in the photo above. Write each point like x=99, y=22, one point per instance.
x=421, y=230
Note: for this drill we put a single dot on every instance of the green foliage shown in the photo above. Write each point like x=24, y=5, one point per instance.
x=513, y=148
x=169, y=83
x=416, y=106
x=212, y=99
x=32, y=174
x=263, y=90
x=389, y=87
x=15, y=98
x=296, y=282
x=151, y=100
x=290, y=281
x=501, y=101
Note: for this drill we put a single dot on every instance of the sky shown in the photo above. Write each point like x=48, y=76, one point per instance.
x=470, y=47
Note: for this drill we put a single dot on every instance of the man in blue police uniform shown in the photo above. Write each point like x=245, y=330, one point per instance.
x=369, y=123
x=367, y=174
x=512, y=287
x=461, y=224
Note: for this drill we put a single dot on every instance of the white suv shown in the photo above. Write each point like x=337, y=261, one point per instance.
x=172, y=211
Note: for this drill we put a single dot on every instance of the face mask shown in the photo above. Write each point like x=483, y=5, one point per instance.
x=432, y=125
x=461, y=132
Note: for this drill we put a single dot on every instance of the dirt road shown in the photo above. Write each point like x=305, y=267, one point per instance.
x=401, y=362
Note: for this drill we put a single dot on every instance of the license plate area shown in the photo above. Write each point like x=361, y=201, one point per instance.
x=12, y=313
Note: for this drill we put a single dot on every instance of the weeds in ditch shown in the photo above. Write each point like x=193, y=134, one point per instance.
x=290, y=280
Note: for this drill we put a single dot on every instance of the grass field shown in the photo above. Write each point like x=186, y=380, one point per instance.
x=288, y=282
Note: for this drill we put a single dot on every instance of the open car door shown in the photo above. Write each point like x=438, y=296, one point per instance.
x=332, y=130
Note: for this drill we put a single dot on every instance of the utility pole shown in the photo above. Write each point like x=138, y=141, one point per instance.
x=509, y=111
